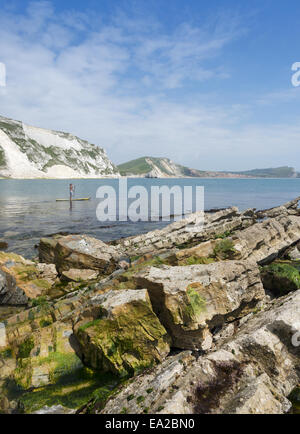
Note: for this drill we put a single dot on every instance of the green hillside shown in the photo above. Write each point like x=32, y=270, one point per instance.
x=141, y=166
x=136, y=167
x=278, y=172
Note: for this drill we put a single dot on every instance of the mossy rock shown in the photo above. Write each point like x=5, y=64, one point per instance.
x=33, y=372
x=280, y=278
x=225, y=250
x=126, y=339
x=190, y=309
x=84, y=387
x=25, y=348
x=197, y=304
x=195, y=260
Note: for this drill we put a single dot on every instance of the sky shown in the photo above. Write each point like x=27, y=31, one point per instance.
x=204, y=83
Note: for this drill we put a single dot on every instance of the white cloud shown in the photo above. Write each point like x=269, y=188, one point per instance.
x=116, y=85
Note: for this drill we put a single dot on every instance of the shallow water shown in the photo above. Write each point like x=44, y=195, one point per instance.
x=28, y=210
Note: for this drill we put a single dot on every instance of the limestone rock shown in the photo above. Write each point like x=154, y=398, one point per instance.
x=47, y=250
x=203, y=250
x=190, y=301
x=20, y=280
x=48, y=272
x=150, y=390
x=3, y=341
x=55, y=409
x=79, y=251
x=263, y=242
x=294, y=253
x=253, y=372
x=189, y=231
x=289, y=208
x=75, y=275
x=45, y=356
x=258, y=397
x=120, y=333
x=38, y=349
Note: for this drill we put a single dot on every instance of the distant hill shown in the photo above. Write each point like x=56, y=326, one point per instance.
x=157, y=168
x=153, y=167
x=278, y=172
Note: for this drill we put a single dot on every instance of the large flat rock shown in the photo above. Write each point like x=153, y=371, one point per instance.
x=79, y=252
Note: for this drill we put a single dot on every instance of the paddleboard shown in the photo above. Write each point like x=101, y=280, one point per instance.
x=73, y=200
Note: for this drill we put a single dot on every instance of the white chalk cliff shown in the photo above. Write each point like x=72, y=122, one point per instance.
x=30, y=152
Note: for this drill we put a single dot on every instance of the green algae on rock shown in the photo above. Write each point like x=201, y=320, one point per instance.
x=72, y=393
x=280, y=278
x=225, y=249
x=124, y=336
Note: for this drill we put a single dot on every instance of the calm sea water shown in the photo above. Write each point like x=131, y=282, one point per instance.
x=29, y=211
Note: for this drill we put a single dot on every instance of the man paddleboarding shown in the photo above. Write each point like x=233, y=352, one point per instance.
x=72, y=191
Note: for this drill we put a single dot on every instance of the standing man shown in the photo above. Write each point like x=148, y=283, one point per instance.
x=72, y=191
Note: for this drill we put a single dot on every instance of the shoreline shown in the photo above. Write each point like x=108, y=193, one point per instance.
x=143, y=177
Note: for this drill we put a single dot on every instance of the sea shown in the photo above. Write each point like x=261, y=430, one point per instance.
x=29, y=210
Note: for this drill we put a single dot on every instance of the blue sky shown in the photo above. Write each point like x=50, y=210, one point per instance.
x=205, y=83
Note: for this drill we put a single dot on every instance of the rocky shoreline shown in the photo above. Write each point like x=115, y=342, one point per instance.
x=172, y=321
